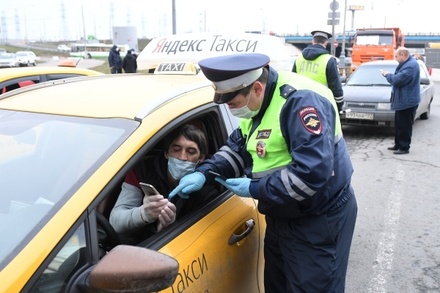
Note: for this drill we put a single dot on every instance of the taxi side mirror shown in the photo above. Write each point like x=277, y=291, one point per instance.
x=133, y=269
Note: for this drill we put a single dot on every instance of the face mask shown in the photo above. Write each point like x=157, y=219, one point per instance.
x=244, y=112
x=179, y=168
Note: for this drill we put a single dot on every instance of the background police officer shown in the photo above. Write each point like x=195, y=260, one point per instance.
x=317, y=63
x=290, y=155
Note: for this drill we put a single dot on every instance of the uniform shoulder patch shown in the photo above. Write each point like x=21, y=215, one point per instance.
x=310, y=119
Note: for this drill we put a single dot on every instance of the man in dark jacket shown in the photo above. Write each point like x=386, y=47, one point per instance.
x=129, y=64
x=316, y=63
x=405, y=98
x=114, y=60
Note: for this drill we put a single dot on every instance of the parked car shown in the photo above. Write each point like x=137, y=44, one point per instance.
x=14, y=78
x=26, y=58
x=367, y=95
x=65, y=149
x=7, y=60
x=63, y=48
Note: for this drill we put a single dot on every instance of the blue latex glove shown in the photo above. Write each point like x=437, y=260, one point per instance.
x=188, y=184
x=239, y=186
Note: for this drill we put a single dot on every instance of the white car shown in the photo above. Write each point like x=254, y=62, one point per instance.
x=367, y=95
x=25, y=58
x=63, y=48
x=7, y=60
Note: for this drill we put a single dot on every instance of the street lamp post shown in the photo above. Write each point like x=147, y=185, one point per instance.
x=342, y=56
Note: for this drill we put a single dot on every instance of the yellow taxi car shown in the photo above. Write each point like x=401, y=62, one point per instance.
x=65, y=149
x=14, y=78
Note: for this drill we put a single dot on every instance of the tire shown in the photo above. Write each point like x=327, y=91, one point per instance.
x=425, y=116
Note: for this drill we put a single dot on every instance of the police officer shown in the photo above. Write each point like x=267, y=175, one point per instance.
x=317, y=63
x=290, y=155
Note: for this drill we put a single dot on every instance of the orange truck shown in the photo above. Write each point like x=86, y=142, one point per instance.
x=375, y=44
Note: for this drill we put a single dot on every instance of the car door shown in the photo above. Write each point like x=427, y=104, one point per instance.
x=425, y=91
x=220, y=251
x=219, y=246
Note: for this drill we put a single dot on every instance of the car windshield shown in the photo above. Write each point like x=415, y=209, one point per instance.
x=44, y=159
x=6, y=56
x=370, y=75
x=374, y=40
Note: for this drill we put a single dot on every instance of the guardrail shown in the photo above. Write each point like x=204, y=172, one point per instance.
x=33, y=46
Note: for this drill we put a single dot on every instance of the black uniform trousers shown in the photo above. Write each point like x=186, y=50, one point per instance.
x=404, y=120
x=309, y=254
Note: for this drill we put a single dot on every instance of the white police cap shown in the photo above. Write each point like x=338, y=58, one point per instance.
x=230, y=74
x=321, y=34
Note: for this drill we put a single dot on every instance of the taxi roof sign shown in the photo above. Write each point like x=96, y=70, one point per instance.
x=66, y=63
x=193, y=47
x=187, y=68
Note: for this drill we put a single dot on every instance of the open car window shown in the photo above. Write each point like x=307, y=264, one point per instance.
x=211, y=123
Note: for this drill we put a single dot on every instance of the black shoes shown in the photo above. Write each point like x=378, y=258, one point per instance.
x=398, y=151
x=401, y=152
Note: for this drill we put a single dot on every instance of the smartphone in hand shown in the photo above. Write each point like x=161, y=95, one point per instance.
x=218, y=175
x=148, y=189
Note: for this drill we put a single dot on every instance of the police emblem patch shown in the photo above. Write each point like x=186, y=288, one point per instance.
x=261, y=149
x=310, y=119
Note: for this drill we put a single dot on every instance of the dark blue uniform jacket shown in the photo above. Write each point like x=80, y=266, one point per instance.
x=321, y=163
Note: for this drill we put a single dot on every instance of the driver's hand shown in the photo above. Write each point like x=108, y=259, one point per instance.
x=152, y=206
x=167, y=216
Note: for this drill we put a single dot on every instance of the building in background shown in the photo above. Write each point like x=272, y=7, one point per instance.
x=126, y=35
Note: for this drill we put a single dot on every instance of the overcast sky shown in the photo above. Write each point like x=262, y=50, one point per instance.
x=70, y=20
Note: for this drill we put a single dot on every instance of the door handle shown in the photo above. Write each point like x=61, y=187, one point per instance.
x=250, y=224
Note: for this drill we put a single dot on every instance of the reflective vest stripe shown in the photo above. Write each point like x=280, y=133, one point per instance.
x=259, y=175
x=287, y=176
x=228, y=154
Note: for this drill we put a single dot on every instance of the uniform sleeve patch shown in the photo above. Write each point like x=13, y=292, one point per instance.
x=310, y=120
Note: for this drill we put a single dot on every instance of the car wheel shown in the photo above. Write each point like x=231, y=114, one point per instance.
x=89, y=56
x=425, y=116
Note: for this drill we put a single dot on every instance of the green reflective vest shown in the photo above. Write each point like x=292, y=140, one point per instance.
x=266, y=144
x=314, y=69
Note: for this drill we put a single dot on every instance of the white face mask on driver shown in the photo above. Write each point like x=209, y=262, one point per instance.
x=179, y=168
x=244, y=112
